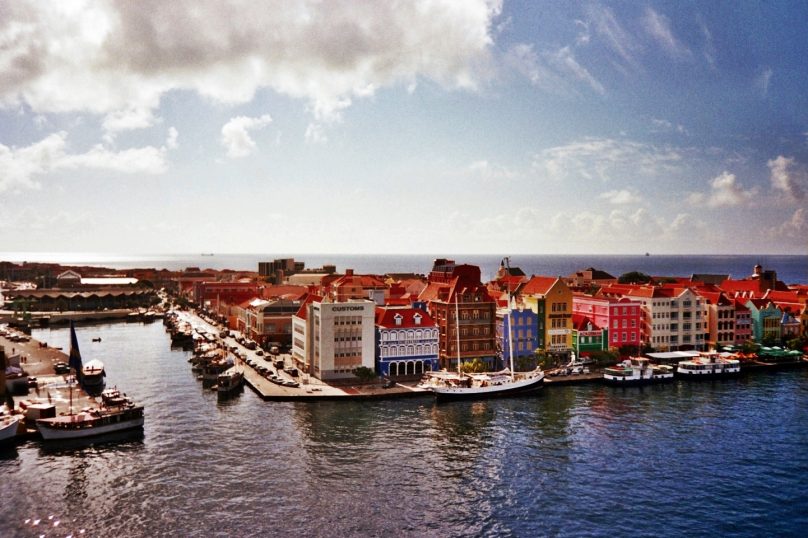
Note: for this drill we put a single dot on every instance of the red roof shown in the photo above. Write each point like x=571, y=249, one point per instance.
x=386, y=318
x=538, y=285
x=303, y=311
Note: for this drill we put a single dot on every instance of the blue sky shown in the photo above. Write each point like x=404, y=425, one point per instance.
x=404, y=127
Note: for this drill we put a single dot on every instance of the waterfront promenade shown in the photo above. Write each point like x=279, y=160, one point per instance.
x=310, y=389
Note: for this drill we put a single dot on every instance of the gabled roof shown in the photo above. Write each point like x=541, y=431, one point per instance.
x=538, y=285
x=580, y=322
x=386, y=318
x=303, y=311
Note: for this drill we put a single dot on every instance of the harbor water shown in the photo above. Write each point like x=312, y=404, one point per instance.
x=688, y=459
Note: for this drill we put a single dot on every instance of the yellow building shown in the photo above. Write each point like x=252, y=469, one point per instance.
x=551, y=299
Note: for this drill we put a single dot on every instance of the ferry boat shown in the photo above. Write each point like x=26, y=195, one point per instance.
x=117, y=413
x=637, y=371
x=709, y=365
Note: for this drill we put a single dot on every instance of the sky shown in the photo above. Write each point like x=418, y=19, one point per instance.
x=423, y=126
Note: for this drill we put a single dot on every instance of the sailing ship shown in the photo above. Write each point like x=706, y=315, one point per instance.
x=466, y=386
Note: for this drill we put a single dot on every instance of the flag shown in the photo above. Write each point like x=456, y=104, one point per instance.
x=75, y=355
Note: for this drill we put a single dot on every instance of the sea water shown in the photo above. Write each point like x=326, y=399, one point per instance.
x=727, y=458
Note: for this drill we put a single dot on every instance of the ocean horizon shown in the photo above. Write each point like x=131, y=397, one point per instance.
x=791, y=268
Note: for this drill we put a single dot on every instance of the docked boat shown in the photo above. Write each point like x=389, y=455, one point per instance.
x=230, y=381
x=637, y=371
x=462, y=386
x=470, y=386
x=93, y=377
x=9, y=426
x=117, y=413
x=709, y=365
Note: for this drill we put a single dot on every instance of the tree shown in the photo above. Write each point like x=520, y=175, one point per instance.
x=474, y=366
x=769, y=340
x=364, y=374
x=749, y=347
x=796, y=343
x=545, y=360
x=634, y=277
x=604, y=358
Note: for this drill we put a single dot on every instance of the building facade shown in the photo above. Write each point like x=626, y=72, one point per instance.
x=330, y=340
x=621, y=316
x=464, y=313
x=551, y=299
x=523, y=334
x=406, y=342
x=766, y=321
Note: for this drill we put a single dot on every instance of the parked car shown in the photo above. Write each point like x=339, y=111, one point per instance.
x=260, y=352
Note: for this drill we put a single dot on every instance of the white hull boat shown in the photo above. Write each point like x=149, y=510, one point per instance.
x=448, y=386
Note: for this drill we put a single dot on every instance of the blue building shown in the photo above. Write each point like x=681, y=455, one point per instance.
x=406, y=341
x=525, y=333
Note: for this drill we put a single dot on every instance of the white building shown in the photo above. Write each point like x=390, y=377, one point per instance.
x=330, y=340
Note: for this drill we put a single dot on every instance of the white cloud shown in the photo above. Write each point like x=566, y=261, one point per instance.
x=763, y=80
x=614, y=36
x=491, y=172
x=554, y=71
x=128, y=119
x=315, y=134
x=33, y=219
x=19, y=167
x=795, y=227
x=621, y=197
x=724, y=191
x=236, y=137
x=788, y=176
x=664, y=126
x=606, y=159
x=658, y=27
x=171, y=140
x=118, y=58
x=709, y=51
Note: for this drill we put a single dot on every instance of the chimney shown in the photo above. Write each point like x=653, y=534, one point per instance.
x=349, y=272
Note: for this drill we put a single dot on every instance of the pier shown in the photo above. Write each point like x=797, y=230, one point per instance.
x=49, y=388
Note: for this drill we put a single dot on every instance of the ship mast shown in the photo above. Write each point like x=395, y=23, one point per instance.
x=507, y=261
x=457, y=329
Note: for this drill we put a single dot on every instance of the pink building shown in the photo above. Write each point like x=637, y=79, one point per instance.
x=743, y=322
x=622, y=317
